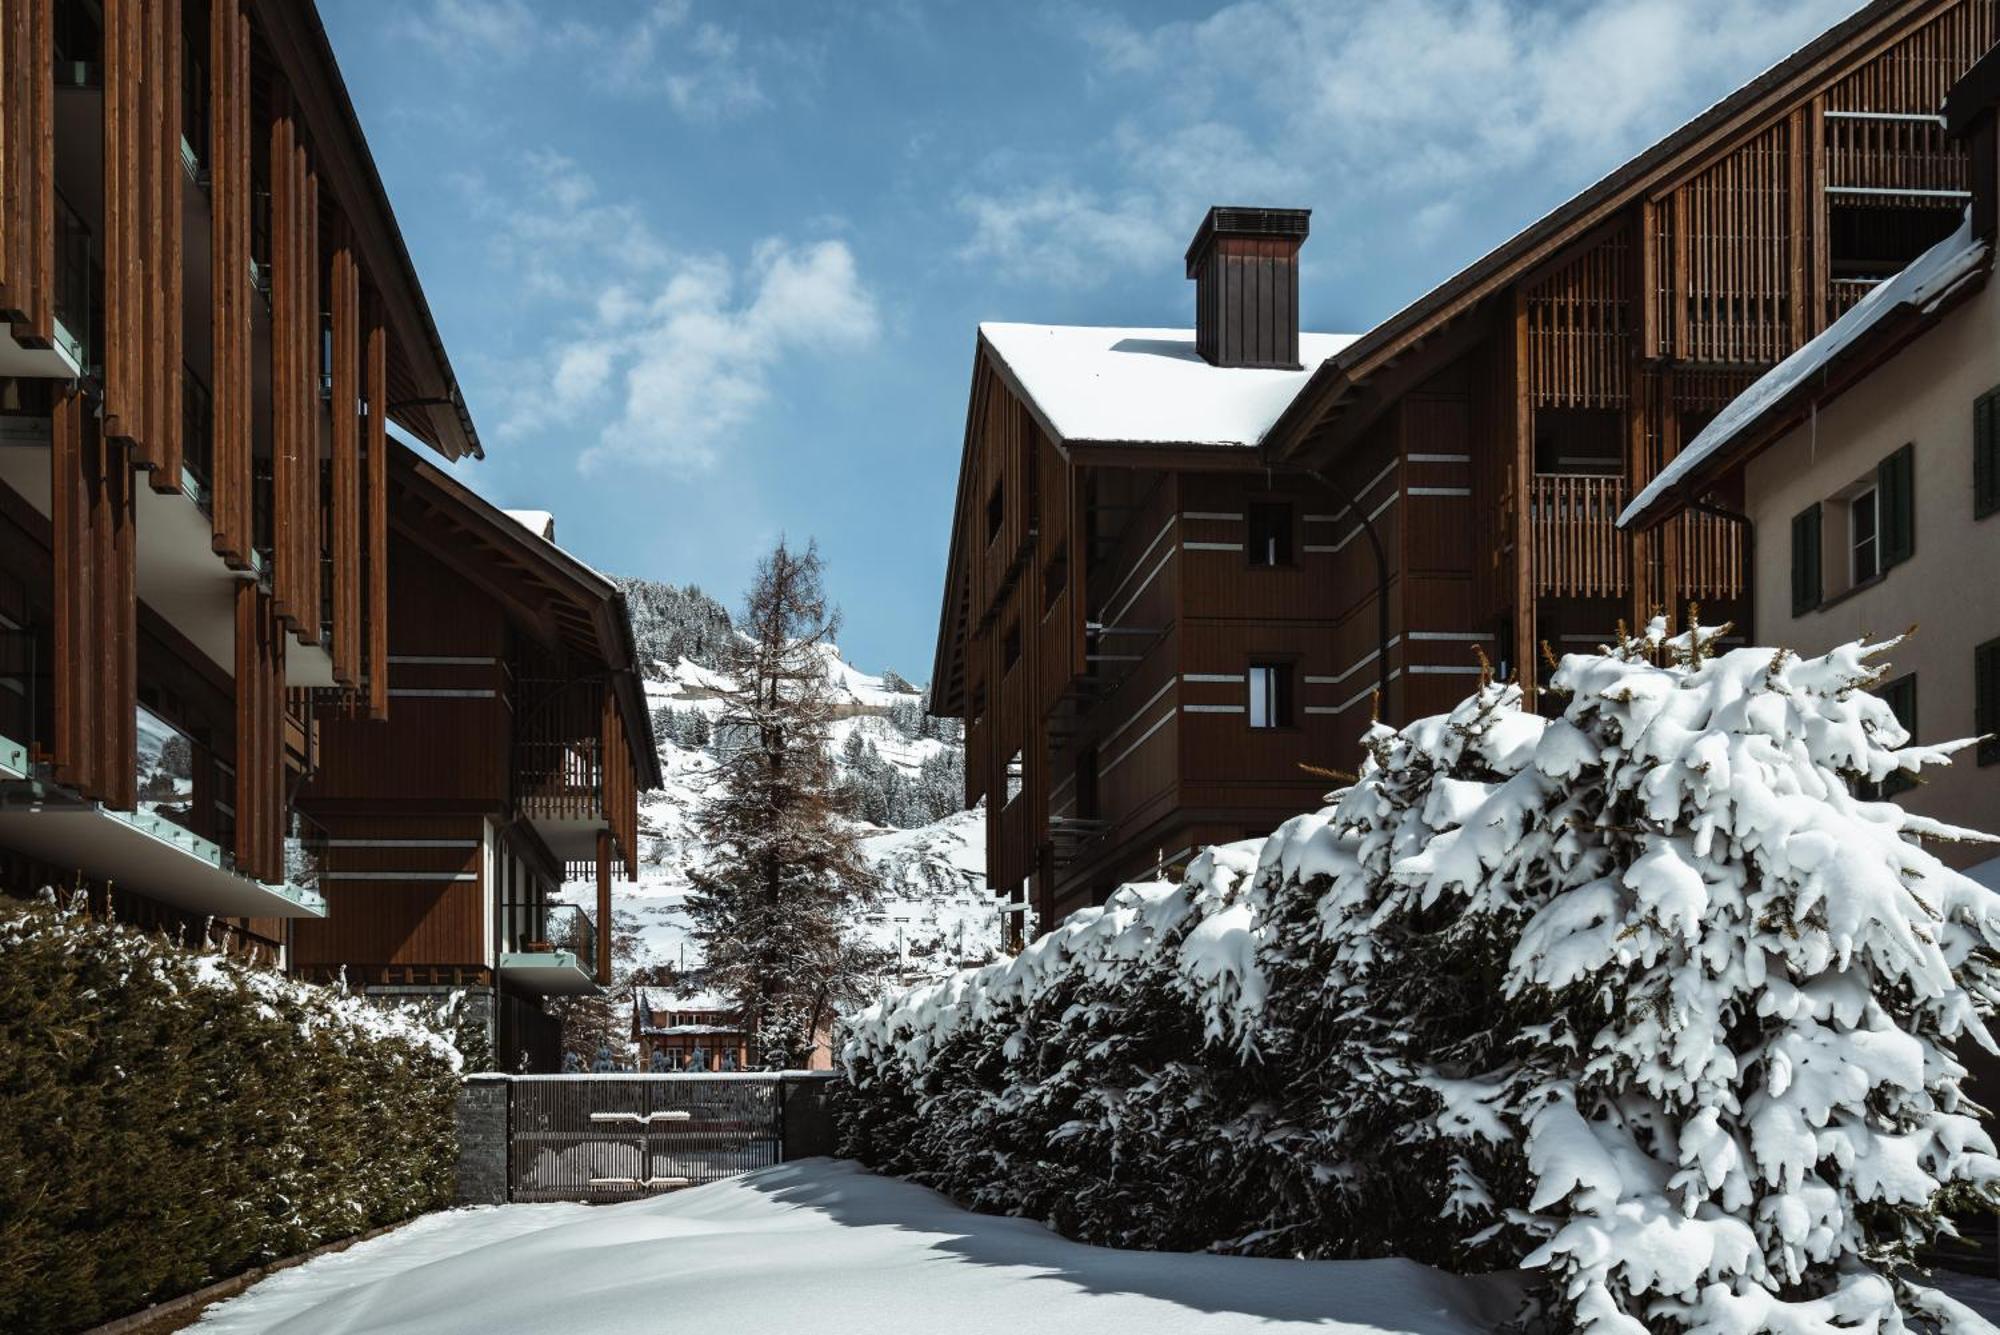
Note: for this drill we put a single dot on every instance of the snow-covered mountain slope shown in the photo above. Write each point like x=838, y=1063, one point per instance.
x=903, y=768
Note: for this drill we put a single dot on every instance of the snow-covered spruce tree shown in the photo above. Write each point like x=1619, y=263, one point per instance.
x=772, y=909
x=1642, y=998
x=1763, y=977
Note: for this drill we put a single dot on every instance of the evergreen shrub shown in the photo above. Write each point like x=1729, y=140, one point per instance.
x=169, y=1118
x=1648, y=1000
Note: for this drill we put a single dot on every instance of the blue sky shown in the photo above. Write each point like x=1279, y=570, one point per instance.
x=710, y=272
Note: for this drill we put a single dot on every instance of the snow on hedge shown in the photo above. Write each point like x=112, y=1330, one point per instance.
x=1642, y=998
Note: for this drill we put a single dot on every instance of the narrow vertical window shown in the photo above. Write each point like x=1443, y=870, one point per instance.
x=996, y=511
x=1270, y=695
x=1270, y=534
x=1015, y=771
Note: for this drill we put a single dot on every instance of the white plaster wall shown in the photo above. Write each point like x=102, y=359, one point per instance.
x=1950, y=588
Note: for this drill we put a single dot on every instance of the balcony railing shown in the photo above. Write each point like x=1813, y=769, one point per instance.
x=165, y=771
x=197, y=437
x=73, y=285
x=544, y=928
x=1579, y=552
x=306, y=846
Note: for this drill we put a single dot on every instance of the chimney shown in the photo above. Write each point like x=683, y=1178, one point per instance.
x=1245, y=266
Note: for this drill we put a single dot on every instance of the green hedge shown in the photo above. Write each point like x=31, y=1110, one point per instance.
x=170, y=1118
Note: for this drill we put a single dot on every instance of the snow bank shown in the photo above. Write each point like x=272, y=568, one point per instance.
x=1643, y=998
x=823, y=1246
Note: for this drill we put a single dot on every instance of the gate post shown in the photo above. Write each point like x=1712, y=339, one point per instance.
x=482, y=1140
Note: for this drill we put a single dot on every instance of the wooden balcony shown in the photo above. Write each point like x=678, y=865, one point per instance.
x=1579, y=552
x=573, y=768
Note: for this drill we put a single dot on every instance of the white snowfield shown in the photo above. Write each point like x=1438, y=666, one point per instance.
x=823, y=1246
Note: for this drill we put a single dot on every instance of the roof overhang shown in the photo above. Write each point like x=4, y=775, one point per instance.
x=1881, y=340
x=425, y=397
x=1792, y=81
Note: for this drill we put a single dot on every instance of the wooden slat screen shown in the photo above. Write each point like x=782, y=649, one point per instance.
x=1579, y=326
x=1579, y=551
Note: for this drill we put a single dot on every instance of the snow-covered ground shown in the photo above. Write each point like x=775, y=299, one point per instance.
x=824, y=1246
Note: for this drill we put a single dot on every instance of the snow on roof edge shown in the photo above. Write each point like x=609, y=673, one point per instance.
x=1924, y=283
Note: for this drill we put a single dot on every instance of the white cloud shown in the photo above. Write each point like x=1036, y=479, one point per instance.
x=657, y=356
x=699, y=67
x=490, y=30
x=1384, y=108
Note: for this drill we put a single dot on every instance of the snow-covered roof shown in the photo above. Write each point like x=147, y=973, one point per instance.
x=1147, y=386
x=659, y=999
x=1923, y=286
x=541, y=523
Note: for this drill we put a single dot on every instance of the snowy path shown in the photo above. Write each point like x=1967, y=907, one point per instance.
x=822, y=1246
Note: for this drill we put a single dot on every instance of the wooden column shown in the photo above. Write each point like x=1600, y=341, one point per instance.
x=229, y=192
x=604, y=906
x=96, y=639
x=375, y=389
x=1525, y=647
x=260, y=735
x=346, y=500
x=295, y=357
x=142, y=233
x=27, y=169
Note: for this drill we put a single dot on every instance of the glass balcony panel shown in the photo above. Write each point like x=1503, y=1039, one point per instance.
x=166, y=761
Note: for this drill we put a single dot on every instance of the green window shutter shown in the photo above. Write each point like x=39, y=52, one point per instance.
x=1986, y=454
x=1901, y=697
x=1805, y=560
x=1895, y=479
x=1986, y=699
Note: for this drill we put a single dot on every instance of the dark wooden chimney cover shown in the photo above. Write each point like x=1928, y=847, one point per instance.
x=1245, y=266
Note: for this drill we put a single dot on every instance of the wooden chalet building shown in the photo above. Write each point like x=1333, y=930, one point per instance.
x=688, y=1031
x=207, y=319
x=1157, y=605
x=520, y=742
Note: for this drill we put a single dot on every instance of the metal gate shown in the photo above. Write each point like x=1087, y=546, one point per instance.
x=620, y=1137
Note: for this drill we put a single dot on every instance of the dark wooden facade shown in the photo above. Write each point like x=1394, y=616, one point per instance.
x=1098, y=623
x=517, y=746
x=1565, y=369
x=209, y=318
